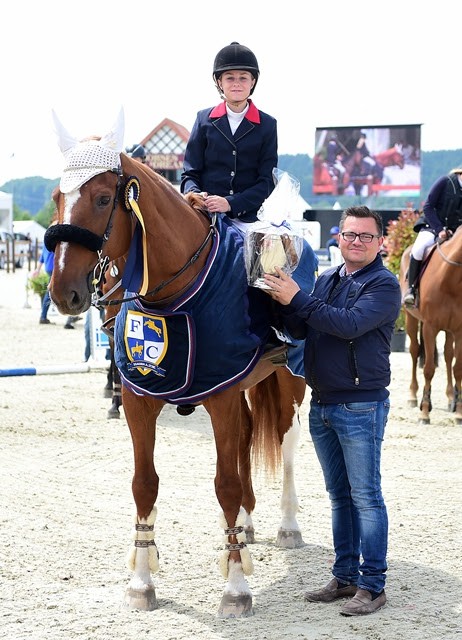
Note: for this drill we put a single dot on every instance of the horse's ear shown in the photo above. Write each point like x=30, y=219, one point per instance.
x=65, y=140
x=114, y=139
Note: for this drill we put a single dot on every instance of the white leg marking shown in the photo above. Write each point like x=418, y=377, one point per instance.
x=289, y=500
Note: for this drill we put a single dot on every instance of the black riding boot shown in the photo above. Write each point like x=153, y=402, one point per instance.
x=414, y=270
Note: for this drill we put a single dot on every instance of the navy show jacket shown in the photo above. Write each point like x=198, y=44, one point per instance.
x=238, y=167
x=347, y=322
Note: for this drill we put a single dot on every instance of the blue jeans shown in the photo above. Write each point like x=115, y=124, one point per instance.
x=46, y=301
x=348, y=440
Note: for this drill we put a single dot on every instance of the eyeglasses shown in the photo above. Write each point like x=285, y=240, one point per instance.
x=350, y=236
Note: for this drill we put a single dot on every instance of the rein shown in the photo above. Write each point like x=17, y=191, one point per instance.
x=164, y=283
x=446, y=259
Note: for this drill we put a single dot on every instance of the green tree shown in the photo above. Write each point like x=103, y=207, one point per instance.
x=45, y=215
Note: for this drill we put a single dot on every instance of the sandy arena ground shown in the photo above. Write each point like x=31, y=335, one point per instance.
x=66, y=513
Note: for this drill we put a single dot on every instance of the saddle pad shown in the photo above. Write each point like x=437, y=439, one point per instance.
x=156, y=353
x=215, y=350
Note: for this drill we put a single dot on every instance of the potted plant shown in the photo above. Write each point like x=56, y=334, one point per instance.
x=38, y=283
x=400, y=234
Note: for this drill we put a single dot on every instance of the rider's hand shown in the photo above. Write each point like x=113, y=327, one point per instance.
x=443, y=235
x=217, y=204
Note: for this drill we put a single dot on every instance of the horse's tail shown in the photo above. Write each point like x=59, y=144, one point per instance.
x=265, y=405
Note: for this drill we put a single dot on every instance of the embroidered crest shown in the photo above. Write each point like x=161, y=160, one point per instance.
x=146, y=342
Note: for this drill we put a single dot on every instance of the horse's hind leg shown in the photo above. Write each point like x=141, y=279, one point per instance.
x=448, y=358
x=289, y=534
x=457, y=371
x=141, y=414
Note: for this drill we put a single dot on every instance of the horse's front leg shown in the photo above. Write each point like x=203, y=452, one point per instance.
x=429, y=337
x=412, y=330
x=235, y=563
x=114, y=410
x=141, y=414
x=245, y=469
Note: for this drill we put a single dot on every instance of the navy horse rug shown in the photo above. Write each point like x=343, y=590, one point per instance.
x=209, y=338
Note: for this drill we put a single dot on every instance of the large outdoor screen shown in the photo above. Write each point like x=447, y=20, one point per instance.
x=368, y=161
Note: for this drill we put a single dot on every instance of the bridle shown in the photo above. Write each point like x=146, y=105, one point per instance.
x=95, y=243
x=86, y=238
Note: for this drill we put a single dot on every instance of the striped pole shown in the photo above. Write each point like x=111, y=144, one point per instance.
x=84, y=367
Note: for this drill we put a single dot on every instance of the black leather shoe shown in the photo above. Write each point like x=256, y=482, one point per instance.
x=331, y=592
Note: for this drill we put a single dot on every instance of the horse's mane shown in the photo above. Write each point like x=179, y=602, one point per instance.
x=196, y=200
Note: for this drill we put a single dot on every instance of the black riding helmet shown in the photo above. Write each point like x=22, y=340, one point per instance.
x=235, y=56
x=137, y=151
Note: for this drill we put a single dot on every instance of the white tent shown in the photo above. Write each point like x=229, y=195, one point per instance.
x=34, y=229
x=6, y=211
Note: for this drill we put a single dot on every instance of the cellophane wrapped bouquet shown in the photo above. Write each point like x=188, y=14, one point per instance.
x=270, y=242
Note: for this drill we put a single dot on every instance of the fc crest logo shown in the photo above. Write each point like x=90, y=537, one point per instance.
x=146, y=342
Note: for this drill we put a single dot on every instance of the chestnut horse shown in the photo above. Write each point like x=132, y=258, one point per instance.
x=438, y=309
x=109, y=205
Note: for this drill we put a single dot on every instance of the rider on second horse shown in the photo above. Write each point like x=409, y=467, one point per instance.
x=442, y=214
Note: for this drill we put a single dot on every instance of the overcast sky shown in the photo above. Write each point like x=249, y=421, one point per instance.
x=331, y=63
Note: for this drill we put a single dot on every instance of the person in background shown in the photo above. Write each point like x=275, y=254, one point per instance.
x=333, y=240
x=335, y=155
x=138, y=152
x=442, y=214
x=232, y=149
x=349, y=319
x=46, y=261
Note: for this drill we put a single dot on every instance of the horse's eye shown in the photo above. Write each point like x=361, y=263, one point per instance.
x=103, y=201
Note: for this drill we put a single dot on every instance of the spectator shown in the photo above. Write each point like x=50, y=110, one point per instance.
x=138, y=152
x=47, y=261
x=333, y=240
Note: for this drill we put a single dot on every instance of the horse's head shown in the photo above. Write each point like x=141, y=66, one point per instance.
x=390, y=158
x=86, y=232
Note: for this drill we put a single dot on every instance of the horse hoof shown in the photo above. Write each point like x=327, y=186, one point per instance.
x=249, y=535
x=289, y=539
x=235, y=606
x=424, y=421
x=144, y=600
x=412, y=403
x=113, y=413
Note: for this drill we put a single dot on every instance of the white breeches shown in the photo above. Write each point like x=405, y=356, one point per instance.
x=424, y=239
